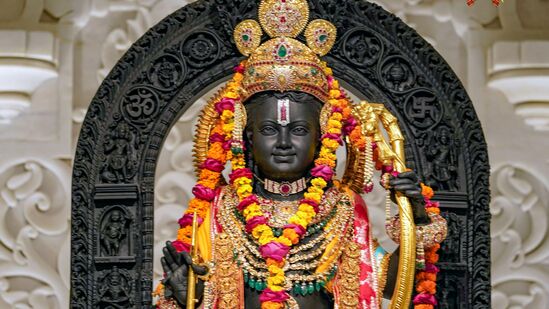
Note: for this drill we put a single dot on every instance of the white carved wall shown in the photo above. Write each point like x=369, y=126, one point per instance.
x=54, y=53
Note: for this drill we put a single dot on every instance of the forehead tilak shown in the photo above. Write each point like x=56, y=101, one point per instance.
x=283, y=111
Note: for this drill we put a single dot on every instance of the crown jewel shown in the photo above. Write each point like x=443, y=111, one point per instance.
x=283, y=63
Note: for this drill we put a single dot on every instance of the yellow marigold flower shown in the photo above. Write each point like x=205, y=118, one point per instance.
x=327, y=154
x=336, y=116
x=231, y=94
x=251, y=208
x=266, y=237
x=307, y=217
x=319, y=182
x=244, y=190
x=312, y=196
x=335, y=84
x=242, y=181
x=284, y=240
x=334, y=123
x=333, y=102
x=259, y=230
x=228, y=128
x=297, y=220
x=330, y=144
x=275, y=288
x=334, y=93
x=334, y=130
x=316, y=190
x=227, y=115
x=328, y=71
x=306, y=208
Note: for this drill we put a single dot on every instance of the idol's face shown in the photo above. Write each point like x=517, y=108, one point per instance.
x=283, y=151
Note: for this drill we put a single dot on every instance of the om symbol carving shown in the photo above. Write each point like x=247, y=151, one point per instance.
x=140, y=105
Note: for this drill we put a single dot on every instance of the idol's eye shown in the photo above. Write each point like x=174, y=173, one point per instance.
x=300, y=130
x=268, y=130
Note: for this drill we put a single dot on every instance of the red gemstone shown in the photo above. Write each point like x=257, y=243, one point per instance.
x=284, y=188
x=282, y=19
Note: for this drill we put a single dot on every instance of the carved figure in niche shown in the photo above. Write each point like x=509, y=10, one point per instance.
x=119, y=150
x=284, y=233
x=115, y=290
x=114, y=230
x=442, y=162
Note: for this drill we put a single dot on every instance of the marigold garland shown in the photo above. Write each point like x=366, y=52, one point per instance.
x=275, y=249
x=426, y=279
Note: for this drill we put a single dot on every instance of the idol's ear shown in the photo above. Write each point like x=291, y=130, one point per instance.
x=249, y=134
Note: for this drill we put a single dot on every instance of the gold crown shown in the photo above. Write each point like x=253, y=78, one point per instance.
x=283, y=63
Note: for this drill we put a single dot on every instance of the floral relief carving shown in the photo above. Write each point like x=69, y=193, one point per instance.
x=520, y=249
x=34, y=232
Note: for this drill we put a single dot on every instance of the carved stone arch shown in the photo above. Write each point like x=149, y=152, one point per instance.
x=376, y=56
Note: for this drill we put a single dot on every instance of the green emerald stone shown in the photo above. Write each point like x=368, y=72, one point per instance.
x=261, y=285
x=252, y=283
x=311, y=288
x=282, y=51
x=303, y=289
x=322, y=38
x=296, y=290
x=246, y=37
x=318, y=286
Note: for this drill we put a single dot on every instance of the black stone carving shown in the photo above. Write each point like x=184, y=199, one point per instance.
x=121, y=164
x=115, y=289
x=376, y=56
x=114, y=236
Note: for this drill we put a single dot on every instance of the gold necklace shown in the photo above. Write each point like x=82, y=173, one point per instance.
x=303, y=259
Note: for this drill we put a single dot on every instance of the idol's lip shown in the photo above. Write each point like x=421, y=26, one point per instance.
x=283, y=158
x=283, y=154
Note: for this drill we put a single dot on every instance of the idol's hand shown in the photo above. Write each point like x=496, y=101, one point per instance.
x=408, y=184
x=175, y=267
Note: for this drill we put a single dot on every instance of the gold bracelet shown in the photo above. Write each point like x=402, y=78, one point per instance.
x=166, y=303
x=426, y=235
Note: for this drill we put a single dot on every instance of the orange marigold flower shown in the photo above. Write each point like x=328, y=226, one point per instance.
x=423, y=306
x=209, y=176
x=218, y=128
x=272, y=305
x=291, y=235
x=238, y=77
x=270, y=262
x=328, y=162
x=217, y=152
x=346, y=112
x=426, y=286
x=427, y=191
x=423, y=275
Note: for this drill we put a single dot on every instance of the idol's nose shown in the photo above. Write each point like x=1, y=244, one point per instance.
x=284, y=141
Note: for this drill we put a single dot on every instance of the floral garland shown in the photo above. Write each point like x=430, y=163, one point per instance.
x=274, y=249
x=426, y=279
